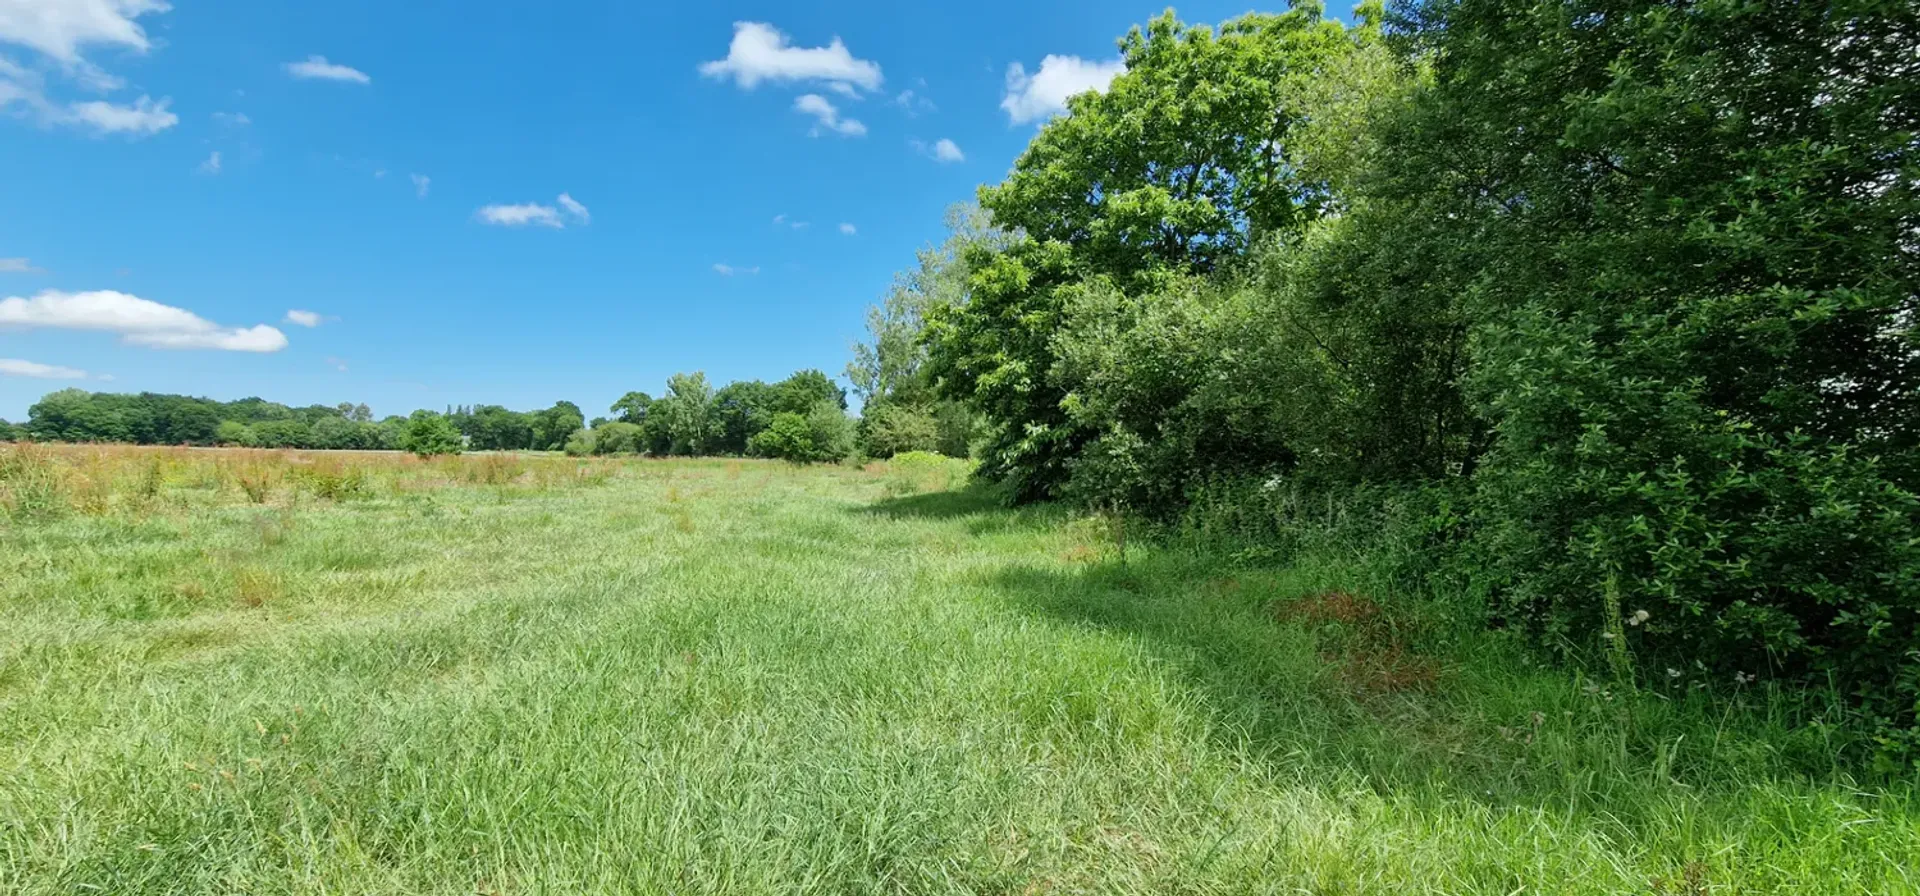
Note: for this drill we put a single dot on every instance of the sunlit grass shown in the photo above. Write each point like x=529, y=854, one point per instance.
x=542, y=675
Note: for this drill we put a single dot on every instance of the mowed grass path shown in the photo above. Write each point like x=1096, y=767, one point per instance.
x=713, y=677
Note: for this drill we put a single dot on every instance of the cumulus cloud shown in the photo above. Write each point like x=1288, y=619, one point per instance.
x=59, y=28
x=17, y=266
x=827, y=116
x=17, y=367
x=849, y=229
x=1043, y=94
x=137, y=320
x=421, y=183
x=303, y=318
x=317, y=68
x=727, y=270
x=759, y=52
x=575, y=209
x=521, y=215
x=212, y=164
x=941, y=150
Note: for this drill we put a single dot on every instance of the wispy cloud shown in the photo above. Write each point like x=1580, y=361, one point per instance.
x=212, y=164
x=304, y=318
x=17, y=266
x=536, y=214
x=727, y=270
x=828, y=117
x=913, y=102
x=138, y=321
x=759, y=52
x=1044, y=94
x=317, y=68
x=17, y=367
x=521, y=215
x=144, y=117
x=849, y=229
x=232, y=119
x=421, y=183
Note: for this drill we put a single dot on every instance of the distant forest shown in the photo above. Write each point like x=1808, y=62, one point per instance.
x=802, y=417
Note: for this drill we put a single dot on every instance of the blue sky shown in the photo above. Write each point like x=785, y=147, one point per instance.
x=179, y=178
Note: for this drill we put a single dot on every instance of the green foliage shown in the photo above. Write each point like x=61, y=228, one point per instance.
x=552, y=426
x=824, y=434
x=616, y=438
x=689, y=413
x=233, y=433
x=1185, y=160
x=894, y=429
x=430, y=435
x=583, y=443
x=632, y=407
x=1634, y=288
x=787, y=437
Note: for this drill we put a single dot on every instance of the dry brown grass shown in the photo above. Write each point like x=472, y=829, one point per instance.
x=43, y=480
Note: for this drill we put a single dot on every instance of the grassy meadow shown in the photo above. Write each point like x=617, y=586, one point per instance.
x=277, y=672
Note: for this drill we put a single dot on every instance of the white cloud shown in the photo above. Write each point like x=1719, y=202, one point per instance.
x=844, y=89
x=137, y=320
x=337, y=364
x=759, y=52
x=317, y=68
x=17, y=266
x=531, y=213
x=17, y=367
x=828, y=117
x=914, y=103
x=303, y=318
x=421, y=183
x=59, y=28
x=212, y=164
x=521, y=215
x=1044, y=93
x=233, y=119
x=145, y=117
x=727, y=270
x=849, y=229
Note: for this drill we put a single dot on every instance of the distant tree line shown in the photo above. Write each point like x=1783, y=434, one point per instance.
x=801, y=418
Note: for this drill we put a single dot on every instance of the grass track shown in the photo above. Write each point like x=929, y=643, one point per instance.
x=708, y=677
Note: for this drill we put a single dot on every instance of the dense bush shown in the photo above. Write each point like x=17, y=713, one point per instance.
x=430, y=435
x=1597, y=314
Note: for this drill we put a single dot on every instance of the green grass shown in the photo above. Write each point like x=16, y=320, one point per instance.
x=713, y=677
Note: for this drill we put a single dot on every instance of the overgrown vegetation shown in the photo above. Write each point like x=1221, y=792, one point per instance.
x=502, y=673
x=1613, y=304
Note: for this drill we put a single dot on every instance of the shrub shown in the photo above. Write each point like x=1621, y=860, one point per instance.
x=581, y=444
x=787, y=437
x=893, y=429
x=616, y=438
x=431, y=435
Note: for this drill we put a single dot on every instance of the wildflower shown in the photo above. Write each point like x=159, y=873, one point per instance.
x=1742, y=678
x=1673, y=673
x=1638, y=617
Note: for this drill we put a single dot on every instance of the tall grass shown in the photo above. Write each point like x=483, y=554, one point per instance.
x=744, y=677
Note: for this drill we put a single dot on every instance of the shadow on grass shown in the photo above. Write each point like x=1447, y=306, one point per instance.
x=980, y=505
x=1491, y=728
